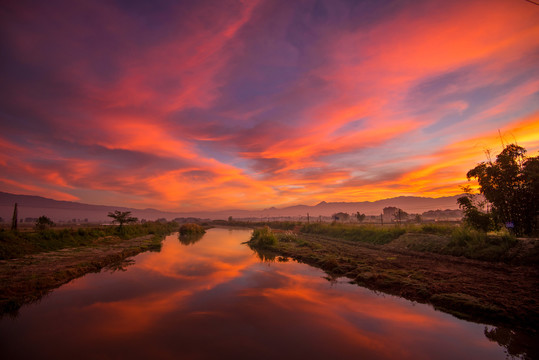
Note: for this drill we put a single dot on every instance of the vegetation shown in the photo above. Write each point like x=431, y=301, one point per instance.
x=365, y=233
x=476, y=244
x=511, y=185
x=473, y=216
x=43, y=223
x=122, y=217
x=263, y=238
x=191, y=229
x=27, y=280
x=281, y=225
x=14, y=220
x=16, y=244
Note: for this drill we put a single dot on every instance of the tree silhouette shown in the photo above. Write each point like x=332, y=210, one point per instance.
x=511, y=185
x=43, y=223
x=122, y=217
x=14, y=219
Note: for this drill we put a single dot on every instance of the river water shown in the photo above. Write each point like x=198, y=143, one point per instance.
x=216, y=299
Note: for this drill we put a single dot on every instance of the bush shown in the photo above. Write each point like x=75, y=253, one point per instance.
x=191, y=229
x=263, y=237
x=476, y=244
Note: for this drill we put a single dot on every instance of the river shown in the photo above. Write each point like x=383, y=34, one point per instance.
x=216, y=299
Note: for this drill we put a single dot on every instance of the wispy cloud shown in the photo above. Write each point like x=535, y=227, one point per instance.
x=220, y=104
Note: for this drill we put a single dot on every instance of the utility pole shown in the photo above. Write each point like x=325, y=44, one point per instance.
x=308, y=218
x=14, y=220
x=382, y=219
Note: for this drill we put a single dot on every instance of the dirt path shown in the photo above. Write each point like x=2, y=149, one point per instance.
x=497, y=293
x=29, y=278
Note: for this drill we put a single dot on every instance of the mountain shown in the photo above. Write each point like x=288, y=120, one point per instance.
x=35, y=206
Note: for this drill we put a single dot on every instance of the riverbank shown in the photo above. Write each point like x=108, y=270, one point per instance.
x=28, y=278
x=497, y=293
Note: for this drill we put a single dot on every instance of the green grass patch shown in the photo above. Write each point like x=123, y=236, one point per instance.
x=279, y=225
x=363, y=233
x=476, y=244
x=15, y=244
x=263, y=238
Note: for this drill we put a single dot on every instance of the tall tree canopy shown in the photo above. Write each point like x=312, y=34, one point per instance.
x=511, y=185
x=122, y=217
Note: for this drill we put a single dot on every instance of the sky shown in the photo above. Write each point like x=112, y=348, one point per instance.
x=209, y=105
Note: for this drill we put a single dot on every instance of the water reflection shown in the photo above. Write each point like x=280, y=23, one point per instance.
x=216, y=299
x=190, y=239
x=120, y=265
x=517, y=343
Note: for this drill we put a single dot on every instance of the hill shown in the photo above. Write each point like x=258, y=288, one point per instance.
x=35, y=206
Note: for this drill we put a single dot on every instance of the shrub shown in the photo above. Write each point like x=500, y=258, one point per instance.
x=476, y=244
x=263, y=237
x=191, y=229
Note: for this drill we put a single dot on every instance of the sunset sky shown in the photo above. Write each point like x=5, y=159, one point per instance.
x=223, y=104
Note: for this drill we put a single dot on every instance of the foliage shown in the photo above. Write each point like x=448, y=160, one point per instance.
x=476, y=244
x=363, y=233
x=16, y=244
x=472, y=215
x=122, y=217
x=360, y=217
x=400, y=215
x=191, y=229
x=263, y=237
x=43, y=223
x=15, y=219
x=511, y=185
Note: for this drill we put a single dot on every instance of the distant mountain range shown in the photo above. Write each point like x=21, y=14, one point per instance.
x=35, y=206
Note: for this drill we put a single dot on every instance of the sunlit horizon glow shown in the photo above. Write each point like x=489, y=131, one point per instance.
x=214, y=105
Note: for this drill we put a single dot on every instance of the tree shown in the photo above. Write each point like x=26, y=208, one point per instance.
x=14, y=219
x=511, y=185
x=43, y=223
x=400, y=215
x=360, y=217
x=473, y=216
x=122, y=217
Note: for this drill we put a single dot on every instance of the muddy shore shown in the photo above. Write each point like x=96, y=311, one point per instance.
x=29, y=278
x=496, y=293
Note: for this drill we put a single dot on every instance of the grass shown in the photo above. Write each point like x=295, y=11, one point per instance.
x=280, y=225
x=15, y=244
x=475, y=244
x=364, y=233
x=263, y=238
x=191, y=229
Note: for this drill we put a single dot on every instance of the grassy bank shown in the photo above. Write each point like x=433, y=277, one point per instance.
x=418, y=263
x=32, y=263
x=15, y=244
x=440, y=239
